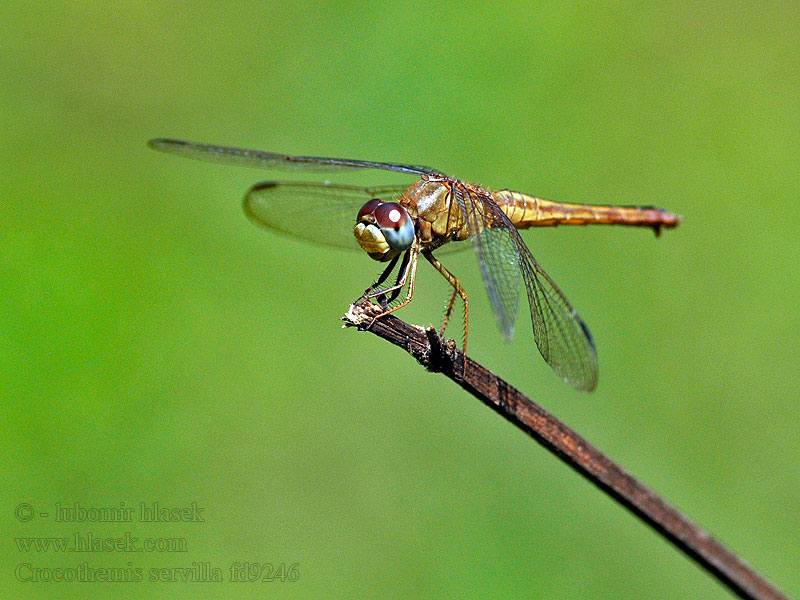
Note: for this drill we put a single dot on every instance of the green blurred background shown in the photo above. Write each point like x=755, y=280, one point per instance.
x=156, y=347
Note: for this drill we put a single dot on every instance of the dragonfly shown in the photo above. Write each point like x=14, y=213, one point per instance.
x=396, y=224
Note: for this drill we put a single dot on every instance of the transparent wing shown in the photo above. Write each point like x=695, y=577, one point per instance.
x=561, y=336
x=560, y=333
x=322, y=213
x=273, y=161
x=497, y=257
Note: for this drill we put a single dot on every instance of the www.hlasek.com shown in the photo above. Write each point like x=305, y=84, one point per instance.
x=89, y=542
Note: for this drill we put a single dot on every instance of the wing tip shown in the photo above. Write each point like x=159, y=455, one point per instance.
x=588, y=386
x=166, y=144
x=586, y=382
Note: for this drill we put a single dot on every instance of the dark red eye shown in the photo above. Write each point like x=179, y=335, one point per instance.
x=390, y=215
x=368, y=208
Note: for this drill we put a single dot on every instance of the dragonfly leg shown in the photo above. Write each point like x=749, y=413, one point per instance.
x=448, y=311
x=457, y=289
x=387, y=300
x=408, y=274
x=451, y=303
x=402, y=278
x=380, y=280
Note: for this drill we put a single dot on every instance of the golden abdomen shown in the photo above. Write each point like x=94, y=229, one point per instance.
x=529, y=211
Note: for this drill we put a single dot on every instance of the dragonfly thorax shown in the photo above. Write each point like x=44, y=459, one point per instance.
x=384, y=229
x=439, y=217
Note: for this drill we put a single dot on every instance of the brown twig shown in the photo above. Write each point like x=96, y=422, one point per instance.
x=443, y=357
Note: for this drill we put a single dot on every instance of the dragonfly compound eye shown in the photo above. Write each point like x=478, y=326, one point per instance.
x=368, y=209
x=395, y=225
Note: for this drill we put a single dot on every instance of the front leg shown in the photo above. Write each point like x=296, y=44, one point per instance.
x=407, y=274
x=379, y=281
x=386, y=301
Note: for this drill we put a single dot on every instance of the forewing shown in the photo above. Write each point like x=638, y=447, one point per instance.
x=273, y=161
x=561, y=335
x=322, y=213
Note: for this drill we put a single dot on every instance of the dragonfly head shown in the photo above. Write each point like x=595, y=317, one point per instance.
x=384, y=229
